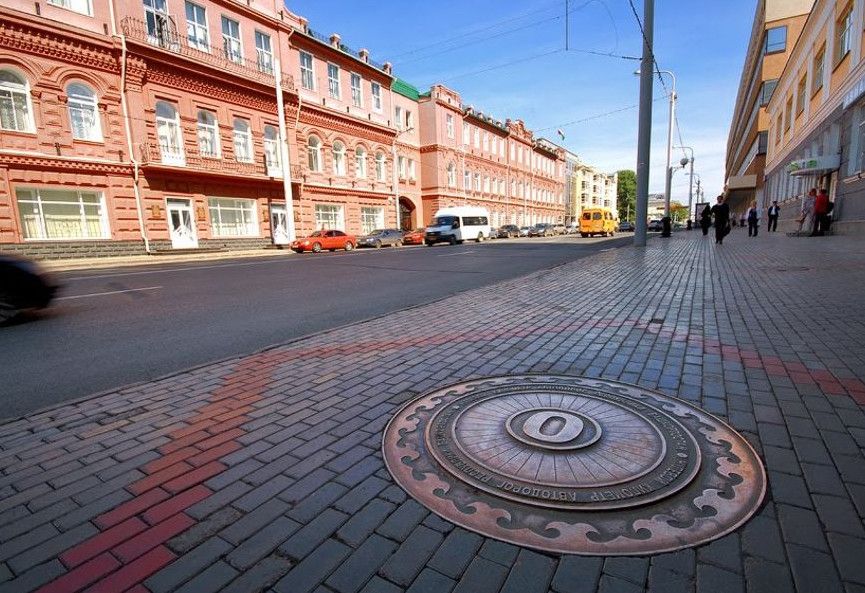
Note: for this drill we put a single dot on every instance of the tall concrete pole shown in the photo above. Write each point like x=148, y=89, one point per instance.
x=669, y=177
x=284, y=154
x=644, y=139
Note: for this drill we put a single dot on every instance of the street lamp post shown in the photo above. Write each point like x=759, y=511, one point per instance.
x=691, y=183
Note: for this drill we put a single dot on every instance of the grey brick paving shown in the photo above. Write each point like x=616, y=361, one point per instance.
x=305, y=504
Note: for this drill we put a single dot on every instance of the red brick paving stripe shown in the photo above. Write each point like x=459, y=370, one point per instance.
x=175, y=504
x=153, y=537
x=170, y=459
x=215, y=453
x=84, y=575
x=227, y=425
x=102, y=542
x=220, y=438
x=196, y=425
x=184, y=441
x=195, y=477
x=131, y=507
x=159, y=478
x=134, y=573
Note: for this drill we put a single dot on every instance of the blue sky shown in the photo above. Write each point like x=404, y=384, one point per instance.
x=507, y=59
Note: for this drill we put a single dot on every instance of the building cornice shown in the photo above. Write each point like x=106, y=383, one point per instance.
x=313, y=115
x=65, y=164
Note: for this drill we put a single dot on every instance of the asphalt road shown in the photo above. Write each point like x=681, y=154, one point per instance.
x=114, y=327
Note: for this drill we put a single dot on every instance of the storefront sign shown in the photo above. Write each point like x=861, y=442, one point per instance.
x=817, y=164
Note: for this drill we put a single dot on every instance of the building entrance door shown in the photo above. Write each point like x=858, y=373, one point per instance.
x=278, y=224
x=181, y=224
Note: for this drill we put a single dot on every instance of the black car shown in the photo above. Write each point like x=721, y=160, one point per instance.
x=23, y=285
x=380, y=238
x=506, y=231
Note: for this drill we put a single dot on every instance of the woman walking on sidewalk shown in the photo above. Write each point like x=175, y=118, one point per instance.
x=706, y=219
x=753, y=220
x=721, y=211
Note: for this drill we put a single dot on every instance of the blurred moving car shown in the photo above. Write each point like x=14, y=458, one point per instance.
x=319, y=240
x=542, y=229
x=525, y=230
x=506, y=231
x=572, y=229
x=414, y=237
x=381, y=237
x=560, y=229
x=23, y=285
x=655, y=225
x=597, y=221
x=626, y=226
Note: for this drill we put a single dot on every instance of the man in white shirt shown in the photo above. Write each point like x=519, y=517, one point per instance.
x=774, y=211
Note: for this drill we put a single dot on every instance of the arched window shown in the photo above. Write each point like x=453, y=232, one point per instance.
x=360, y=162
x=313, y=153
x=380, y=166
x=83, y=113
x=208, y=135
x=338, y=158
x=169, y=134
x=452, y=175
x=15, y=110
x=271, y=149
x=242, y=141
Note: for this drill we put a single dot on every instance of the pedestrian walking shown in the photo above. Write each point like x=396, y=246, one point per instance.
x=706, y=219
x=774, y=211
x=821, y=214
x=721, y=212
x=753, y=217
x=806, y=221
x=743, y=218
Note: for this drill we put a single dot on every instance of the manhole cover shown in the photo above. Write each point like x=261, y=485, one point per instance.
x=574, y=465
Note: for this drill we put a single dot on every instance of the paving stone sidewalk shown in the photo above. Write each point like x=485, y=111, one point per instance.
x=263, y=473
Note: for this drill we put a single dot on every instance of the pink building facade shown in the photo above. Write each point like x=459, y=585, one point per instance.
x=469, y=158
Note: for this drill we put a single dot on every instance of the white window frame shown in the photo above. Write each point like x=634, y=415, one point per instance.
x=477, y=182
x=82, y=106
x=467, y=180
x=170, y=136
x=246, y=227
x=232, y=46
x=264, y=52
x=409, y=119
x=158, y=23
x=452, y=175
x=37, y=220
x=356, y=83
x=401, y=166
x=397, y=117
x=313, y=154
x=338, y=154
x=371, y=218
x=271, y=150
x=449, y=124
x=79, y=6
x=8, y=93
x=243, y=149
x=197, y=33
x=376, y=97
x=380, y=167
x=411, y=170
x=329, y=217
x=307, y=72
x=333, y=86
x=843, y=37
x=477, y=138
x=467, y=134
x=360, y=162
x=486, y=142
x=208, y=132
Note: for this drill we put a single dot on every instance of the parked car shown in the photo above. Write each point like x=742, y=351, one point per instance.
x=380, y=238
x=414, y=237
x=572, y=229
x=626, y=226
x=23, y=285
x=525, y=230
x=542, y=229
x=560, y=229
x=655, y=225
x=507, y=231
x=320, y=240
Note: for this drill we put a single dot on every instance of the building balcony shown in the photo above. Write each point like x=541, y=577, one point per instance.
x=153, y=154
x=164, y=36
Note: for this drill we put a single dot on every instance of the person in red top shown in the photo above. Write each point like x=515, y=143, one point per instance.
x=821, y=213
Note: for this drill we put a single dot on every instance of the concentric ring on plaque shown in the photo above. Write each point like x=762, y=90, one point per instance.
x=697, y=480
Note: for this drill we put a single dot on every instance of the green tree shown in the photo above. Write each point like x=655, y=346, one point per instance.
x=678, y=211
x=626, y=193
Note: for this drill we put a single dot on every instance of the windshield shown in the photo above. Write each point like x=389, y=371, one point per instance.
x=587, y=216
x=377, y=232
x=317, y=234
x=596, y=216
x=444, y=220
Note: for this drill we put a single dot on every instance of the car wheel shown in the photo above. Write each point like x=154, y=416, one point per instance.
x=398, y=244
x=428, y=243
x=452, y=240
x=349, y=245
x=316, y=247
x=584, y=235
x=377, y=244
x=480, y=237
x=7, y=309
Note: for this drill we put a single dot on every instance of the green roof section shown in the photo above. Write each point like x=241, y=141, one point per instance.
x=405, y=89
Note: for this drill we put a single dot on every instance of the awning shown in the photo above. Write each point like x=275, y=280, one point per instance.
x=814, y=165
x=742, y=182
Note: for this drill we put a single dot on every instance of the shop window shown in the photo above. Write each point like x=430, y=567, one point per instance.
x=371, y=219
x=328, y=216
x=231, y=217
x=56, y=214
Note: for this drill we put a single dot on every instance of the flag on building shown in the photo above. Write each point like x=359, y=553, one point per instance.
x=561, y=134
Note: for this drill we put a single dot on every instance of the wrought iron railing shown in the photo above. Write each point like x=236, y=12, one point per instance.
x=191, y=158
x=163, y=34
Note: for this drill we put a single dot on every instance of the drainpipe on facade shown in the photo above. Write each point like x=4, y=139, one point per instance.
x=135, y=165
x=283, y=150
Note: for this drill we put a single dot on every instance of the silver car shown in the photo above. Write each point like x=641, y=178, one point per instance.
x=381, y=238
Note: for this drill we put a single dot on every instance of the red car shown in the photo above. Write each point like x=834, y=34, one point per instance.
x=414, y=237
x=320, y=240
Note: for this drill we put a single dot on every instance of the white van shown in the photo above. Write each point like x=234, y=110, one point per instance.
x=458, y=224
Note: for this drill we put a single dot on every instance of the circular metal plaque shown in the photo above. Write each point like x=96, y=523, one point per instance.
x=574, y=465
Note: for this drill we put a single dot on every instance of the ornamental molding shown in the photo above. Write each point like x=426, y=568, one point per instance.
x=165, y=75
x=55, y=45
x=343, y=190
x=65, y=165
x=329, y=121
